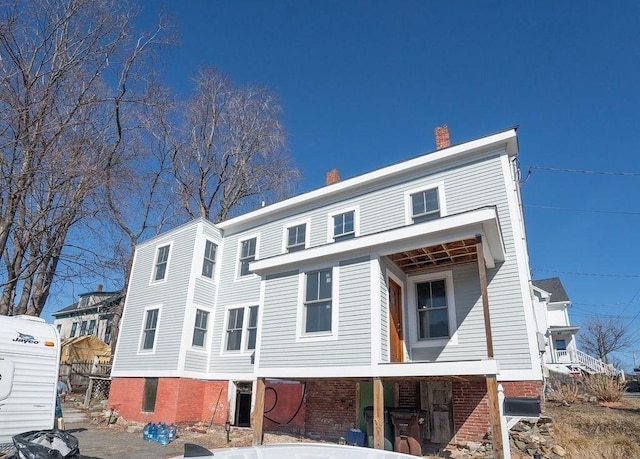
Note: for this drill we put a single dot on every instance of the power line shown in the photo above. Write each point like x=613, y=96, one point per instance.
x=621, y=212
x=585, y=171
x=633, y=276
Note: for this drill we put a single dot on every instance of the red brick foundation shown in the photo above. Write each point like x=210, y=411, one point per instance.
x=330, y=408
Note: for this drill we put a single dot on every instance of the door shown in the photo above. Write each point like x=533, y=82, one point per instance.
x=436, y=398
x=243, y=405
x=396, y=340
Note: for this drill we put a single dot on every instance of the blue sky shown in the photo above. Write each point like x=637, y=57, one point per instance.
x=363, y=84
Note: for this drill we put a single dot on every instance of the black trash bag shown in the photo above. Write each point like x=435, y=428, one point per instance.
x=46, y=444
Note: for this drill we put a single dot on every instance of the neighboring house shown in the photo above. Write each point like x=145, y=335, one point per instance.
x=374, y=286
x=91, y=315
x=558, y=344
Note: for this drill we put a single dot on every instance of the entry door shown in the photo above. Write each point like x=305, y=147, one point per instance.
x=243, y=405
x=396, y=339
x=436, y=398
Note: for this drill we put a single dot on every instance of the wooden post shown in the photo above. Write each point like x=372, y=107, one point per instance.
x=257, y=417
x=87, y=395
x=492, y=382
x=378, y=414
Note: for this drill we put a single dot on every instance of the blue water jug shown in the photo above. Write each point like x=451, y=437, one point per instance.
x=153, y=432
x=172, y=431
x=145, y=432
x=163, y=437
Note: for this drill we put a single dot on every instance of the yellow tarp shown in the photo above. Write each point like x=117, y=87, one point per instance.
x=84, y=349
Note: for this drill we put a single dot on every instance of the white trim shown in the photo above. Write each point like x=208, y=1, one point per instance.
x=522, y=260
x=183, y=374
x=405, y=349
x=124, y=312
x=451, y=228
x=506, y=140
x=291, y=224
x=301, y=335
x=344, y=210
x=215, y=260
x=412, y=319
x=461, y=368
x=247, y=237
x=408, y=203
x=154, y=267
x=243, y=351
x=209, y=331
x=261, y=302
x=375, y=274
x=151, y=351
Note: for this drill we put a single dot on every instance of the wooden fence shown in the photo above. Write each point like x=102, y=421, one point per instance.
x=77, y=374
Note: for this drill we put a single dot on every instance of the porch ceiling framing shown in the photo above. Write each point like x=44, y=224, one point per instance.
x=436, y=256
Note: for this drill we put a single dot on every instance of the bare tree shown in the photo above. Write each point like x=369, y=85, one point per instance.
x=61, y=128
x=230, y=156
x=601, y=336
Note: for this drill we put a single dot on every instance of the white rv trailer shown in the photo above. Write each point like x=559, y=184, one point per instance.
x=29, y=357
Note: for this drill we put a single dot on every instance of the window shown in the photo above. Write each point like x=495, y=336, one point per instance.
x=149, y=395
x=433, y=314
x=561, y=345
x=107, y=331
x=425, y=205
x=252, y=329
x=296, y=237
x=234, y=329
x=317, y=304
x=149, y=330
x=242, y=328
x=92, y=327
x=83, y=328
x=200, y=328
x=59, y=327
x=209, y=259
x=247, y=255
x=344, y=225
x=161, y=262
x=74, y=328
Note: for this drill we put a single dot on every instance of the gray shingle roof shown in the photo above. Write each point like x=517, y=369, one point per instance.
x=74, y=307
x=554, y=287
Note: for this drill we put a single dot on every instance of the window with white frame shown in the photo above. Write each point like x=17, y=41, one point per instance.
x=318, y=301
x=247, y=255
x=296, y=237
x=74, y=328
x=209, y=259
x=425, y=205
x=149, y=329
x=83, y=328
x=344, y=225
x=92, y=327
x=162, y=258
x=432, y=309
x=242, y=328
x=200, y=328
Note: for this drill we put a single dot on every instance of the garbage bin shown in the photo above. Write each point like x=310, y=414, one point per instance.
x=388, y=428
x=407, y=423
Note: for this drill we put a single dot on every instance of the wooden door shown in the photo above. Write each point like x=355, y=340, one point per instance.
x=396, y=339
x=436, y=398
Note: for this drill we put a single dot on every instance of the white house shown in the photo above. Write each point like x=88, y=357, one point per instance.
x=406, y=286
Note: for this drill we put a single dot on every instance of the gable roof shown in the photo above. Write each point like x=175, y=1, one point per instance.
x=554, y=287
x=110, y=297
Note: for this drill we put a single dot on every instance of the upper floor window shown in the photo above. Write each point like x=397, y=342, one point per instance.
x=318, y=303
x=83, y=328
x=432, y=306
x=209, y=259
x=344, y=225
x=149, y=329
x=74, y=328
x=425, y=205
x=561, y=345
x=200, y=328
x=252, y=327
x=296, y=237
x=242, y=328
x=107, y=331
x=92, y=327
x=247, y=255
x=162, y=258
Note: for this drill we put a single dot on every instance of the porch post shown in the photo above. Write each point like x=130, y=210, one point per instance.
x=257, y=417
x=378, y=414
x=492, y=381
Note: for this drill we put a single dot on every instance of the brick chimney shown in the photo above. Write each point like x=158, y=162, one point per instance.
x=442, y=137
x=99, y=288
x=333, y=176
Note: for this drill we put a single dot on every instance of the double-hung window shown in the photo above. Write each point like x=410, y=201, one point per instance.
x=234, y=329
x=200, y=328
x=92, y=327
x=318, y=302
x=209, y=259
x=247, y=255
x=149, y=329
x=425, y=205
x=433, y=311
x=162, y=258
x=74, y=328
x=252, y=327
x=242, y=328
x=344, y=225
x=83, y=328
x=296, y=237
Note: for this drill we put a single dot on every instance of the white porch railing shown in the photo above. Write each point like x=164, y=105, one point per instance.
x=590, y=364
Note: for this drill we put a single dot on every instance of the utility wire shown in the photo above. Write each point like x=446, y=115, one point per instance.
x=621, y=212
x=586, y=274
x=584, y=171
